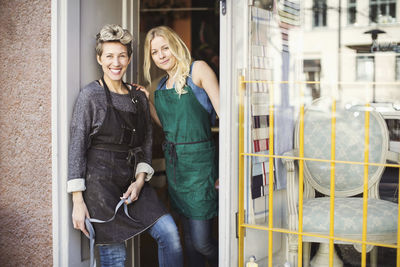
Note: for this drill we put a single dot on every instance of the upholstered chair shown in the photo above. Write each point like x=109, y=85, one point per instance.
x=349, y=180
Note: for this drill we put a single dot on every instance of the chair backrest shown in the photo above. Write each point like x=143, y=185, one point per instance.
x=349, y=146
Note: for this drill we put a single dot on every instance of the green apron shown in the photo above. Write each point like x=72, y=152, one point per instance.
x=190, y=155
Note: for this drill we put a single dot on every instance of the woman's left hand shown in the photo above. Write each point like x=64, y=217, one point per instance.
x=135, y=188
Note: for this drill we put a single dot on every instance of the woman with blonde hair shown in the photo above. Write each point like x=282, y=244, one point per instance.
x=185, y=103
x=110, y=161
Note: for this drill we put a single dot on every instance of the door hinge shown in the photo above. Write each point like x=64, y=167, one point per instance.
x=223, y=6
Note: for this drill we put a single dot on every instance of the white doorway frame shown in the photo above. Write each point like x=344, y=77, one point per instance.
x=233, y=62
x=227, y=233
x=65, y=25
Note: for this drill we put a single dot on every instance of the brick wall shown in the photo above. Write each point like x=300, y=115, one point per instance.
x=25, y=133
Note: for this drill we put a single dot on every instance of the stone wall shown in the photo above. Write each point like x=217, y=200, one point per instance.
x=25, y=133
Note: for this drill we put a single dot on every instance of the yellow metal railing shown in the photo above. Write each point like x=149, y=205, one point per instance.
x=271, y=173
x=242, y=225
x=365, y=193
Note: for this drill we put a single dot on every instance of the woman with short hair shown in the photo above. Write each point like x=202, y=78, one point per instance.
x=110, y=159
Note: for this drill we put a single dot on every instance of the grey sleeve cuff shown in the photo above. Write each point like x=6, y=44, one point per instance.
x=75, y=185
x=144, y=167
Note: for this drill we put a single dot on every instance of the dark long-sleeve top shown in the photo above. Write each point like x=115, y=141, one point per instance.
x=88, y=115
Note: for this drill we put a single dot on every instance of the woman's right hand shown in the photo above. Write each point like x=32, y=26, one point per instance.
x=79, y=212
x=143, y=89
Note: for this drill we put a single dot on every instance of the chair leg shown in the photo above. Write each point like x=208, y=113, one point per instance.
x=321, y=259
x=306, y=254
x=373, y=256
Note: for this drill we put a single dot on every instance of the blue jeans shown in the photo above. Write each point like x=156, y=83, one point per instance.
x=164, y=231
x=199, y=243
x=112, y=255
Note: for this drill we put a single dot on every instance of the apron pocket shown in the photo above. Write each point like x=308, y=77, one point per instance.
x=195, y=170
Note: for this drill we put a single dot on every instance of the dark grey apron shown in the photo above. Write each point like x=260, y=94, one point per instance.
x=111, y=161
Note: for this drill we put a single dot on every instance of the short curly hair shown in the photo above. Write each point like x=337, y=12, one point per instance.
x=113, y=33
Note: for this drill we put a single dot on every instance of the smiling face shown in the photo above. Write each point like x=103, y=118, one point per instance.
x=114, y=60
x=161, y=54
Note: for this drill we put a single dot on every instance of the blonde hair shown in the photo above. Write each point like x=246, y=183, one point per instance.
x=177, y=48
x=113, y=33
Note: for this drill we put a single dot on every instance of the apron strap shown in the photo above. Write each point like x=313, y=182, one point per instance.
x=110, y=104
x=132, y=94
x=164, y=82
x=90, y=228
x=108, y=95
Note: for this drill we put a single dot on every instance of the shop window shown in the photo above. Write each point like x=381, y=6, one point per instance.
x=319, y=13
x=351, y=11
x=382, y=11
x=365, y=68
